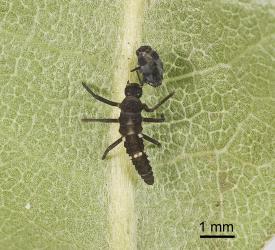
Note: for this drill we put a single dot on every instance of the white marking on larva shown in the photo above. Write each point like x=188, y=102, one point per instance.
x=28, y=206
x=140, y=135
x=137, y=155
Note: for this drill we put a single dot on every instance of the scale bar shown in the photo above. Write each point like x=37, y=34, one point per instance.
x=217, y=236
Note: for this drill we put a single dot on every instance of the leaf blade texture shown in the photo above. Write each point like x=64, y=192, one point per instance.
x=217, y=160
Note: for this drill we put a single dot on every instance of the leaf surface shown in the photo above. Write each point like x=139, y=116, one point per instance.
x=217, y=154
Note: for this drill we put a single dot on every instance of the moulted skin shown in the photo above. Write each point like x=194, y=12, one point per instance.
x=150, y=65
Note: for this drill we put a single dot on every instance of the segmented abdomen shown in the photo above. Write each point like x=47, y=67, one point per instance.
x=134, y=148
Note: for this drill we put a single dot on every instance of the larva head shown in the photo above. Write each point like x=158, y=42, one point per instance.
x=133, y=89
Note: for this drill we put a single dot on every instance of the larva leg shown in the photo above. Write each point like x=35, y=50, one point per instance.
x=107, y=120
x=111, y=147
x=99, y=98
x=148, y=138
x=162, y=119
x=147, y=109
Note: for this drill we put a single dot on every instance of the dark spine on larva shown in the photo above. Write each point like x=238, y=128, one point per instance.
x=134, y=145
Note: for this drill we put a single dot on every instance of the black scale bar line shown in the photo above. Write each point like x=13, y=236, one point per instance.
x=217, y=236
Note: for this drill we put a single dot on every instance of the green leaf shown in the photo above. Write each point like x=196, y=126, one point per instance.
x=217, y=154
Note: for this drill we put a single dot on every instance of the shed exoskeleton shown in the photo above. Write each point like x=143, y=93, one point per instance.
x=149, y=65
